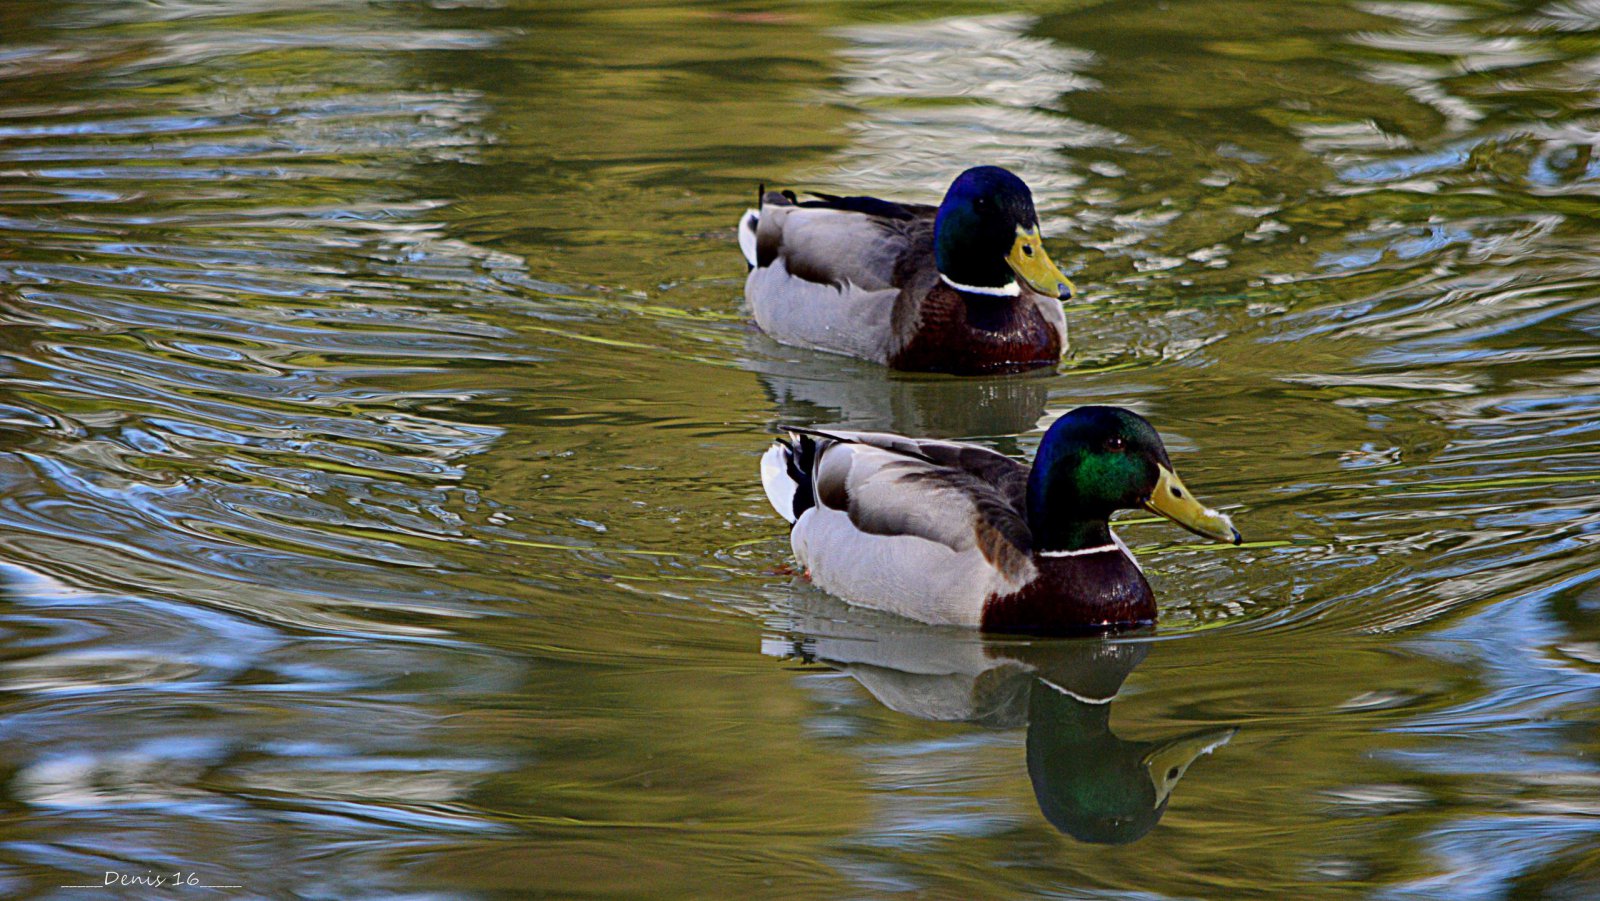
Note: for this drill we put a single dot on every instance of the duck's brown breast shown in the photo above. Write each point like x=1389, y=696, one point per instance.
x=1074, y=595
x=968, y=334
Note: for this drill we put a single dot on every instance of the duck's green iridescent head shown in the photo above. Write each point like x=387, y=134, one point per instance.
x=1097, y=460
x=986, y=236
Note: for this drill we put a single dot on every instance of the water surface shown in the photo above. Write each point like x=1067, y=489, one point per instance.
x=379, y=427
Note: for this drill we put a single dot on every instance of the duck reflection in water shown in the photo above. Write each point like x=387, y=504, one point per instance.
x=850, y=394
x=1090, y=783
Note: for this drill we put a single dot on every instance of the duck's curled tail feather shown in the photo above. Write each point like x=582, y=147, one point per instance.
x=747, y=235
x=786, y=474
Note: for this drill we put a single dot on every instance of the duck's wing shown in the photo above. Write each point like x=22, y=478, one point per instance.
x=860, y=241
x=825, y=273
x=928, y=529
x=1006, y=476
x=873, y=206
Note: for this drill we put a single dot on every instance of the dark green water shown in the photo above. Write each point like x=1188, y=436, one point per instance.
x=379, y=424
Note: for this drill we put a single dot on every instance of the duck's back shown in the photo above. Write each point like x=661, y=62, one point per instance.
x=827, y=274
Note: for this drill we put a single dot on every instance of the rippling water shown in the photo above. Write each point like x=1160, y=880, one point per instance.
x=379, y=422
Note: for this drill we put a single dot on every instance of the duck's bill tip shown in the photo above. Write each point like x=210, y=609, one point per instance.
x=1174, y=501
x=1033, y=265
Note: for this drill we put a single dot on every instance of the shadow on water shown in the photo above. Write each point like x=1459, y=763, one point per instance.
x=1089, y=782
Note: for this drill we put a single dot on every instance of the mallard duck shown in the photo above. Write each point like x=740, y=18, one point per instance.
x=965, y=287
x=946, y=532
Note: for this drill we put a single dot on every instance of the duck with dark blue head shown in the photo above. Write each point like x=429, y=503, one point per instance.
x=965, y=287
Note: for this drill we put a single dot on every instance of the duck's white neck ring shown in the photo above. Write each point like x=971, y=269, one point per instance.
x=1011, y=290
x=1098, y=549
x=1077, y=697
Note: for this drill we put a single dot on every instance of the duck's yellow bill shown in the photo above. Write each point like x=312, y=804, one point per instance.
x=1031, y=264
x=1172, y=500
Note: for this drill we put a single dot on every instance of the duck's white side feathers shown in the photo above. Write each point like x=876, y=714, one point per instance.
x=902, y=574
x=843, y=319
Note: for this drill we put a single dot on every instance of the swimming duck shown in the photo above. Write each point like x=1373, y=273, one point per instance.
x=964, y=288
x=946, y=532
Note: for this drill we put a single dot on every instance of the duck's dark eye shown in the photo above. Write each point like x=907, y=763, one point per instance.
x=1027, y=250
x=1116, y=444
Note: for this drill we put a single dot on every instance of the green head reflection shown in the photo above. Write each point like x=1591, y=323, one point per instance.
x=1090, y=783
x=1094, y=785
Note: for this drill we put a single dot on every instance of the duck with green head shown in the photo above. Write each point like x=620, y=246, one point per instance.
x=946, y=532
x=965, y=287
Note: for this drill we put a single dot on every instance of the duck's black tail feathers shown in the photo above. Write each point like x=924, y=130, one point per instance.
x=801, y=461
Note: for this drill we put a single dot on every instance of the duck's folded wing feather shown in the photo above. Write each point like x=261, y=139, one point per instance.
x=886, y=491
x=836, y=247
x=887, y=209
x=1006, y=476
